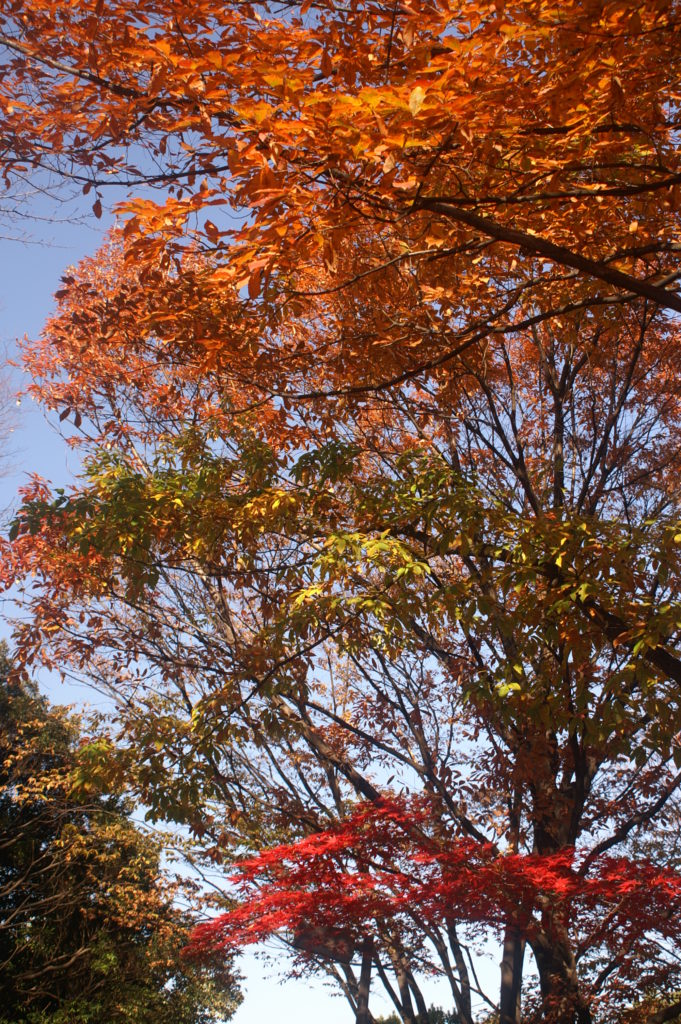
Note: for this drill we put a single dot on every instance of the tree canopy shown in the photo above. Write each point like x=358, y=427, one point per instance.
x=90, y=929
x=378, y=536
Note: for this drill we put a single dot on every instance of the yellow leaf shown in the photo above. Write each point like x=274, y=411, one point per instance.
x=416, y=99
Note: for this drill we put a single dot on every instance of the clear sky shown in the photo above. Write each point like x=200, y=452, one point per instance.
x=33, y=256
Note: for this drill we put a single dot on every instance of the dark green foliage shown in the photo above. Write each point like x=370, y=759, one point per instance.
x=90, y=932
x=436, y=1015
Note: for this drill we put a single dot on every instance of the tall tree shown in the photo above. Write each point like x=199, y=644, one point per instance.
x=379, y=473
x=89, y=929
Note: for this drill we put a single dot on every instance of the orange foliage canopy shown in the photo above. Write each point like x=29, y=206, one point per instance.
x=546, y=128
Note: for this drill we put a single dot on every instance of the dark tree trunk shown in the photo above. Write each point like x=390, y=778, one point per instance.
x=364, y=983
x=562, y=1001
x=511, y=977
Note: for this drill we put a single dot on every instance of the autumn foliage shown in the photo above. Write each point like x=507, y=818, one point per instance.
x=377, y=387
x=89, y=924
x=383, y=863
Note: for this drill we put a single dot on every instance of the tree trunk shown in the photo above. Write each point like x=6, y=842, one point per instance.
x=511, y=977
x=364, y=983
x=562, y=1002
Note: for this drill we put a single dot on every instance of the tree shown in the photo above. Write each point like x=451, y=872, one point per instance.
x=436, y=1015
x=89, y=927
x=378, y=492
x=370, y=872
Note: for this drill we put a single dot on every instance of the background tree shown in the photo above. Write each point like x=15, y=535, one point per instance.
x=90, y=927
x=378, y=492
x=436, y=1015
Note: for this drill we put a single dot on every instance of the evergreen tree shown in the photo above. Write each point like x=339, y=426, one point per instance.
x=90, y=932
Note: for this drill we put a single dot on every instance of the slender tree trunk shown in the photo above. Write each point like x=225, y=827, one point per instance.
x=407, y=1014
x=420, y=1001
x=462, y=991
x=364, y=983
x=511, y=977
